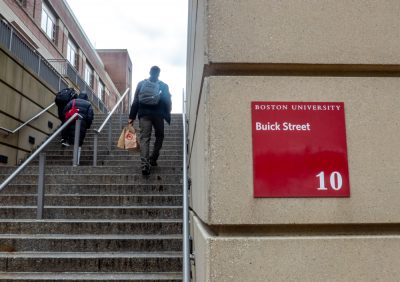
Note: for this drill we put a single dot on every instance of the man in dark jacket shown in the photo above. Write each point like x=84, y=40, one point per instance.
x=152, y=104
x=86, y=111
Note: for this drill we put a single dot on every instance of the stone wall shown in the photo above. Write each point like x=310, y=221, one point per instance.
x=22, y=96
x=316, y=51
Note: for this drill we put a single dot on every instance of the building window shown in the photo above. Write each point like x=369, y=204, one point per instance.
x=89, y=75
x=72, y=53
x=100, y=91
x=48, y=23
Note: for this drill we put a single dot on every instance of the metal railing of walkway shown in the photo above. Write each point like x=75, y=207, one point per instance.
x=44, y=69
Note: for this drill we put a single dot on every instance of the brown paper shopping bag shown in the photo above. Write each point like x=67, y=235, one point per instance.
x=121, y=140
x=131, y=140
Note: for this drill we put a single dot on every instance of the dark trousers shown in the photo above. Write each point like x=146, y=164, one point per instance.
x=69, y=133
x=61, y=118
x=146, y=124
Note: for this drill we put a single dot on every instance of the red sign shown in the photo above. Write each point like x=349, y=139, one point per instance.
x=299, y=149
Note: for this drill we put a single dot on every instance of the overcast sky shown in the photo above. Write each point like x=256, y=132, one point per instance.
x=153, y=31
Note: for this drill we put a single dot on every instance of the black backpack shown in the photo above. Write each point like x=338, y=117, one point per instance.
x=64, y=96
x=149, y=93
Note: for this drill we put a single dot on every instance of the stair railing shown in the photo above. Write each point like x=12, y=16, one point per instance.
x=9, y=131
x=42, y=162
x=186, y=238
x=98, y=131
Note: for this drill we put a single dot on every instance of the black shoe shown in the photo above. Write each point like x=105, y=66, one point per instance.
x=153, y=162
x=146, y=171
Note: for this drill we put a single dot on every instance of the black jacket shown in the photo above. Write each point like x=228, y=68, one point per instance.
x=163, y=109
x=85, y=109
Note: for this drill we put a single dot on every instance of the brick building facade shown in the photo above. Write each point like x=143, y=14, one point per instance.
x=51, y=28
x=44, y=49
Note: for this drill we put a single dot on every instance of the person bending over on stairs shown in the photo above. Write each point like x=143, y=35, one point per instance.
x=152, y=104
x=86, y=111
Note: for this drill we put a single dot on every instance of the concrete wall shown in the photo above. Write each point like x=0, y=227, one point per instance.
x=333, y=51
x=22, y=96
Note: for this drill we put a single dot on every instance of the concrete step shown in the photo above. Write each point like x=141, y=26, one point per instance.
x=174, y=136
x=98, y=189
x=93, y=212
x=90, y=262
x=103, y=137
x=99, y=179
x=116, y=130
x=103, y=145
x=65, y=226
x=115, y=125
x=124, y=155
x=115, y=152
x=135, y=162
x=92, y=200
x=116, y=119
x=90, y=276
x=91, y=243
x=116, y=116
x=89, y=140
x=70, y=170
x=102, y=160
x=169, y=135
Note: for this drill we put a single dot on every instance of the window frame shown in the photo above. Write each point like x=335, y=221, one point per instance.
x=48, y=22
x=101, y=90
x=72, y=53
x=89, y=73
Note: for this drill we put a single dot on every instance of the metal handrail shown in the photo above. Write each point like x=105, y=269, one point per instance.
x=41, y=161
x=9, y=131
x=186, y=247
x=98, y=131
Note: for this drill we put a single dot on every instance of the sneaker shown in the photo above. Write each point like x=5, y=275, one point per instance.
x=153, y=162
x=65, y=144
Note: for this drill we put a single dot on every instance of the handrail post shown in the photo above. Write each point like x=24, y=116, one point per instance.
x=39, y=61
x=41, y=183
x=186, y=247
x=109, y=135
x=95, y=148
x=75, y=161
x=11, y=39
x=109, y=116
x=120, y=115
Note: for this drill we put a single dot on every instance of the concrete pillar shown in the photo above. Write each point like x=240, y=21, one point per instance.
x=317, y=51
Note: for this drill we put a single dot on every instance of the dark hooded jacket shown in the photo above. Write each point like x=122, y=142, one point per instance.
x=162, y=109
x=86, y=111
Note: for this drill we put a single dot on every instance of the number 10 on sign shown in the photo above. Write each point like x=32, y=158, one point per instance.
x=335, y=181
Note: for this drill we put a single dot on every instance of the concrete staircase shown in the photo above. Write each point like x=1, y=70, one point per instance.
x=104, y=223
